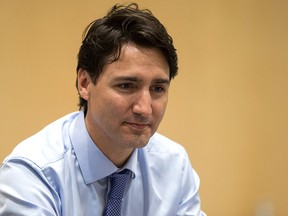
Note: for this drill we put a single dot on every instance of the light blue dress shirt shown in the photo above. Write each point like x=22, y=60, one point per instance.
x=60, y=171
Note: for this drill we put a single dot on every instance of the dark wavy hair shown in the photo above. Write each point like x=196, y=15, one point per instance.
x=103, y=39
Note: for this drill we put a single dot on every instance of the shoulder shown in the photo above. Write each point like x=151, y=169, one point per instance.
x=47, y=145
x=160, y=143
x=162, y=150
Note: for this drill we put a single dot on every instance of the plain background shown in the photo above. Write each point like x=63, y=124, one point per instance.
x=228, y=105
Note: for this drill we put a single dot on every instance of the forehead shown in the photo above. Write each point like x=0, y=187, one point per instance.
x=138, y=61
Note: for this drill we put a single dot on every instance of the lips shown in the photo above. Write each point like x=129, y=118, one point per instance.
x=137, y=126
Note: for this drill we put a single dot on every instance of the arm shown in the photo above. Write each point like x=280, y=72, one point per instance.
x=190, y=200
x=25, y=190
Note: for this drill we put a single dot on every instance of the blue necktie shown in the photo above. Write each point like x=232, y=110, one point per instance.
x=118, y=183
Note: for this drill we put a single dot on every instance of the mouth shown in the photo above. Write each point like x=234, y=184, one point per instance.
x=137, y=126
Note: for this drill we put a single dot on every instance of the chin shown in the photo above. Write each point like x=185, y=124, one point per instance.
x=137, y=142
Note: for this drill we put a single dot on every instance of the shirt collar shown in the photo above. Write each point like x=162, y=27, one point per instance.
x=93, y=164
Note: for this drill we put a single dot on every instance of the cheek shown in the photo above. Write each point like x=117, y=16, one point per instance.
x=100, y=105
x=116, y=106
x=159, y=109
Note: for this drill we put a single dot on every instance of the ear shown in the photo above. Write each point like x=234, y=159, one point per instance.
x=83, y=80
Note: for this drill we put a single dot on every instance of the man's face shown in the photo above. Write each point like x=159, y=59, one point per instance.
x=128, y=101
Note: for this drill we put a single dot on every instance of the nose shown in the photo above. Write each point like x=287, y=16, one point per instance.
x=143, y=103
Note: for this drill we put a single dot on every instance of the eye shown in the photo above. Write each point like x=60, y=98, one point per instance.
x=158, y=89
x=126, y=86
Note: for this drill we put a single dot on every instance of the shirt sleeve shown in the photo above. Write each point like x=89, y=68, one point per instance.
x=190, y=204
x=24, y=190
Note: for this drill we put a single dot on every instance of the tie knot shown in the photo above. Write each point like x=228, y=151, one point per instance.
x=118, y=182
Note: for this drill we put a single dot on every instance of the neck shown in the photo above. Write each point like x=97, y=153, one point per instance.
x=119, y=159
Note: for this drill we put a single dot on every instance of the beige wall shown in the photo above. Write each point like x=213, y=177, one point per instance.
x=228, y=106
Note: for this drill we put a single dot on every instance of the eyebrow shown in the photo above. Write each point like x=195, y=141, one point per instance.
x=137, y=79
x=162, y=81
x=127, y=78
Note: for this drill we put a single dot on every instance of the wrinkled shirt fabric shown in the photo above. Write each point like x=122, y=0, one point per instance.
x=60, y=172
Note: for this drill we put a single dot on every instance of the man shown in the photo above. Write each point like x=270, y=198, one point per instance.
x=108, y=159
